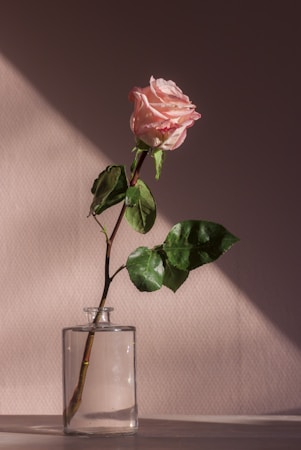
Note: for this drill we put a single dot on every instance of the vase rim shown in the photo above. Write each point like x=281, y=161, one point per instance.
x=96, y=308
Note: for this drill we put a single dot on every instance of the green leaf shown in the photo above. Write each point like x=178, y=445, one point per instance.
x=141, y=207
x=174, y=277
x=159, y=157
x=139, y=148
x=132, y=196
x=146, y=269
x=108, y=189
x=192, y=243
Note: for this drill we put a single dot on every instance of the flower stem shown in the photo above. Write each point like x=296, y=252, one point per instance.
x=76, y=398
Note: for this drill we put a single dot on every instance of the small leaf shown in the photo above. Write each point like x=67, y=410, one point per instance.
x=139, y=148
x=108, y=189
x=192, y=243
x=159, y=157
x=145, y=268
x=141, y=211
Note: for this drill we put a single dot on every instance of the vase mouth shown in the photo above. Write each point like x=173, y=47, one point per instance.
x=103, y=314
x=91, y=309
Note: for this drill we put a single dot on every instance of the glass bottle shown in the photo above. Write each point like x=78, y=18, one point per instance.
x=104, y=372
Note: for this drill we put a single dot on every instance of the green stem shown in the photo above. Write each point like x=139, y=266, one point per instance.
x=76, y=398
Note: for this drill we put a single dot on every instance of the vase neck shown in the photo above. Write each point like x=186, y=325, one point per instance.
x=97, y=315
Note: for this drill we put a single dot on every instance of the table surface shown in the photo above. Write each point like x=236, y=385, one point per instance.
x=160, y=433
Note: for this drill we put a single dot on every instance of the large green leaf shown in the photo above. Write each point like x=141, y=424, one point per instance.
x=192, y=243
x=108, y=189
x=146, y=269
x=174, y=277
x=141, y=207
x=132, y=196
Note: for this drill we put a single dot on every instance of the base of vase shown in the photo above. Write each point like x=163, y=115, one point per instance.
x=101, y=432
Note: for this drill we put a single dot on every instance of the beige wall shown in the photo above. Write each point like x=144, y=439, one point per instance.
x=229, y=340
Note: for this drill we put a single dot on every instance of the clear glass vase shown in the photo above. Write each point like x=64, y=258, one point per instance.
x=99, y=377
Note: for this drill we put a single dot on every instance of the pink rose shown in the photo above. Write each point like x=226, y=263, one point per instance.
x=162, y=114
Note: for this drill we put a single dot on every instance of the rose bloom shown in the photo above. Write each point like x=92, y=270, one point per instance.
x=162, y=114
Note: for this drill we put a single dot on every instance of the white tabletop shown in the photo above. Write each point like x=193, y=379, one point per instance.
x=160, y=433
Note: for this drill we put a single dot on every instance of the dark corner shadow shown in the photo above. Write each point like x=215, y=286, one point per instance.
x=84, y=60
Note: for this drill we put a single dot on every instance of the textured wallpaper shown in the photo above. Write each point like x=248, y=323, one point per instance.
x=228, y=342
